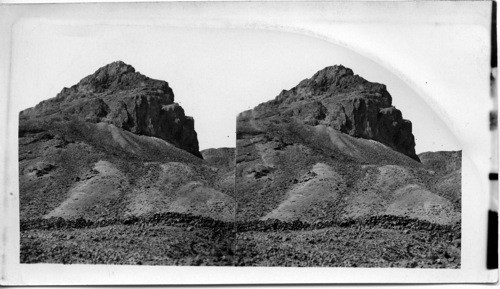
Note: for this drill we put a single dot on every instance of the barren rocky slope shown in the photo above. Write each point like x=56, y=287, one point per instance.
x=135, y=153
x=324, y=175
x=112, y=148
x=332, y=148
x=446, y=167
x=327, y=175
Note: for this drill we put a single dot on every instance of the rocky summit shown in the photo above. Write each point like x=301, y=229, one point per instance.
x=346, y=102
x=119, y=95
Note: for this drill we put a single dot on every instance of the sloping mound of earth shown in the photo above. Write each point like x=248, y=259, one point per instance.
x=95, y=172
x=288, y=170
x=316, y=153
x=446, y=168
x=77, y=169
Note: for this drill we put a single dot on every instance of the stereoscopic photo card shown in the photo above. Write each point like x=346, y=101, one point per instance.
x=249, y=143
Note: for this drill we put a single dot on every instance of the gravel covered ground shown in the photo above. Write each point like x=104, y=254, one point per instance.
x=181, y=239
x=348, y=247
x=127, y=244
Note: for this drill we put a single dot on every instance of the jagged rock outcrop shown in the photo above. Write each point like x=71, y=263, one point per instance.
x=337, y=98
x=119, y=95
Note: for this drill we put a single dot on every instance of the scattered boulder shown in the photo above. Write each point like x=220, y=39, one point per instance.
x=40, y=168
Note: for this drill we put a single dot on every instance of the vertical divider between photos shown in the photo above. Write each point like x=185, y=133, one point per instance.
x=235, y=222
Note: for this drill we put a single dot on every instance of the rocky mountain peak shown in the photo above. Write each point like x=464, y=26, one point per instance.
x=328, y=76
x=338, y=98
x=116, y=93
x=336, y=82
x=114, y=78
x=115, y=74
x=115, y=68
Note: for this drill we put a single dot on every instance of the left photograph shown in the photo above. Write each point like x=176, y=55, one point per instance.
x=110, y=172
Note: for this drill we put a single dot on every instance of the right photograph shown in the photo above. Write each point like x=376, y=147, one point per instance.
x=327, y=175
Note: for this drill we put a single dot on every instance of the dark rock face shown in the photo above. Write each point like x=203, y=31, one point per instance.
x=337, y=98
x=119, y=95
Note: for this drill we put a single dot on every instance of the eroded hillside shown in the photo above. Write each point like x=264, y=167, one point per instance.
x=334, y=147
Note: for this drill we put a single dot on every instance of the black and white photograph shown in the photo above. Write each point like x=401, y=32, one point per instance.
x=248, y=142
x=328, y=173
x=111, y=173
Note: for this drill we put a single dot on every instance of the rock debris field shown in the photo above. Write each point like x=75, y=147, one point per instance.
x=180, y=239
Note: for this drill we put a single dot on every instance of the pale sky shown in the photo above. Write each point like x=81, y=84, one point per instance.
x=214, y=73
